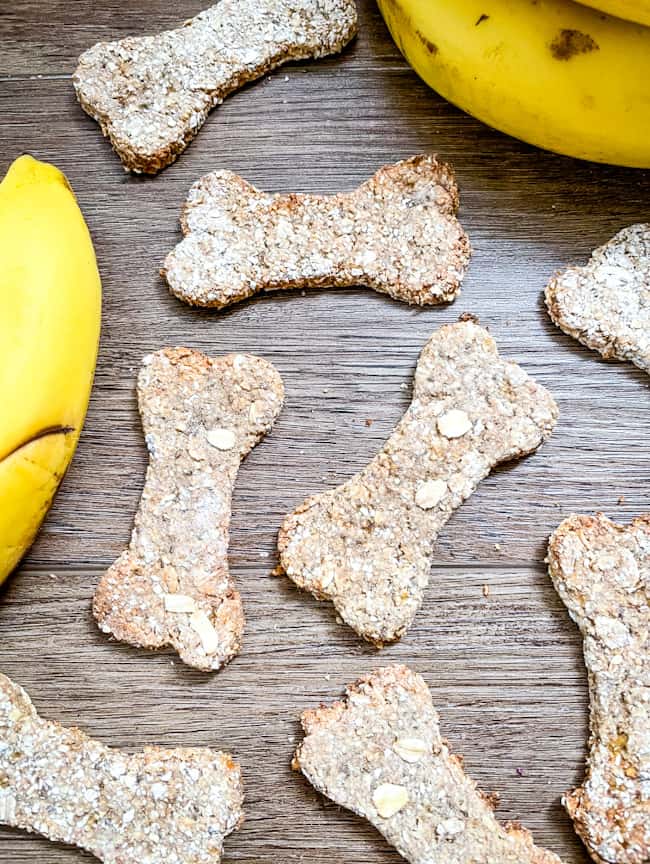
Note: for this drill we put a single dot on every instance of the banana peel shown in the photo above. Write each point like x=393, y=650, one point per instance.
x=554, y=73
x=50, y=311
x=630, y=10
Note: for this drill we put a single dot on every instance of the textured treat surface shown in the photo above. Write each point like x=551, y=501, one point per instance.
x=396, y=233
x=606, y=304
x=154, y=807
x=601, y=571
x=172, y=586
x=380, y=753
x=152, y=94
x=367, y=545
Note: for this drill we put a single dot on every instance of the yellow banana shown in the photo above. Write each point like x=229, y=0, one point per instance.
x=631, y=10
x=50, y=309
x=552, y=72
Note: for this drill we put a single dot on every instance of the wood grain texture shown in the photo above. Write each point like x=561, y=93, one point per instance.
x=506, y=671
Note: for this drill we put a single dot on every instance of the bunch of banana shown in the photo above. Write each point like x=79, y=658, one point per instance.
x=555, y=73
x=50, y=307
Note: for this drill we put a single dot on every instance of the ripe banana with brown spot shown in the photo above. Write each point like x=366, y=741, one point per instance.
x=551, y=72
x=50, y=309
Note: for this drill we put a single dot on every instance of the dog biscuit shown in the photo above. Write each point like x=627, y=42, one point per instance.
x=154, y=807
x=606, y=304
x=201, y=417
x=601, y=571
x=152, y=94
x=367, y=545
x=396, y=233
x=379, y=753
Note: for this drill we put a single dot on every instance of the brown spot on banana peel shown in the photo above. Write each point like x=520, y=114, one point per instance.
x=431, y=47
x=57, y=476
x=570, y=43
x=481, y=18
x=42, y=433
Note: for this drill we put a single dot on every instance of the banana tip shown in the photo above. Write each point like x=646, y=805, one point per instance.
x=26, y=170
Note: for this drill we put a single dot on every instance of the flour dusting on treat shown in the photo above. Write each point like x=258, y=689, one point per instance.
x=367, y=545
x=601, y=571
x=380, y=754
x=152, y=94
x=201, y=417
x=606, y=304
x=154, y=807
x=397, y=233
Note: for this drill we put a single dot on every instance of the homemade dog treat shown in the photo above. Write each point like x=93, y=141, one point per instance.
x=379, y=753
x=201, y=417
x=152, y=94
x=397, y=233
x=367, y=545
x=154, y=807
x=602, y=571
x=606, y=304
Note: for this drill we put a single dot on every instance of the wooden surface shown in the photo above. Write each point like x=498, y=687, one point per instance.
x=506, y=671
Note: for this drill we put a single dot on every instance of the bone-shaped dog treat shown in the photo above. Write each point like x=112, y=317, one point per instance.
x=154, y=807
x=367, y=545
x=397, y=233
x=152, y=94
x=380, y=754
x=201, y=416
x=606, y=304
x=601, y=571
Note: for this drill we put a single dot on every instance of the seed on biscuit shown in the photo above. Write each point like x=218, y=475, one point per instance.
x=7, y=807
x=257, y=411
x=430, y=493
x=450, y=827
x=411, y=749
x=169, y=579
x=202, y=625
x=389, y=799
x=454, y=424
x=222, y=439
x=179, y=603
x=196, y=450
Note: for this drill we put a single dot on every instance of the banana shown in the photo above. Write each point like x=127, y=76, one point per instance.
x=552, y=72
x=50, y=309
x=631, y=10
